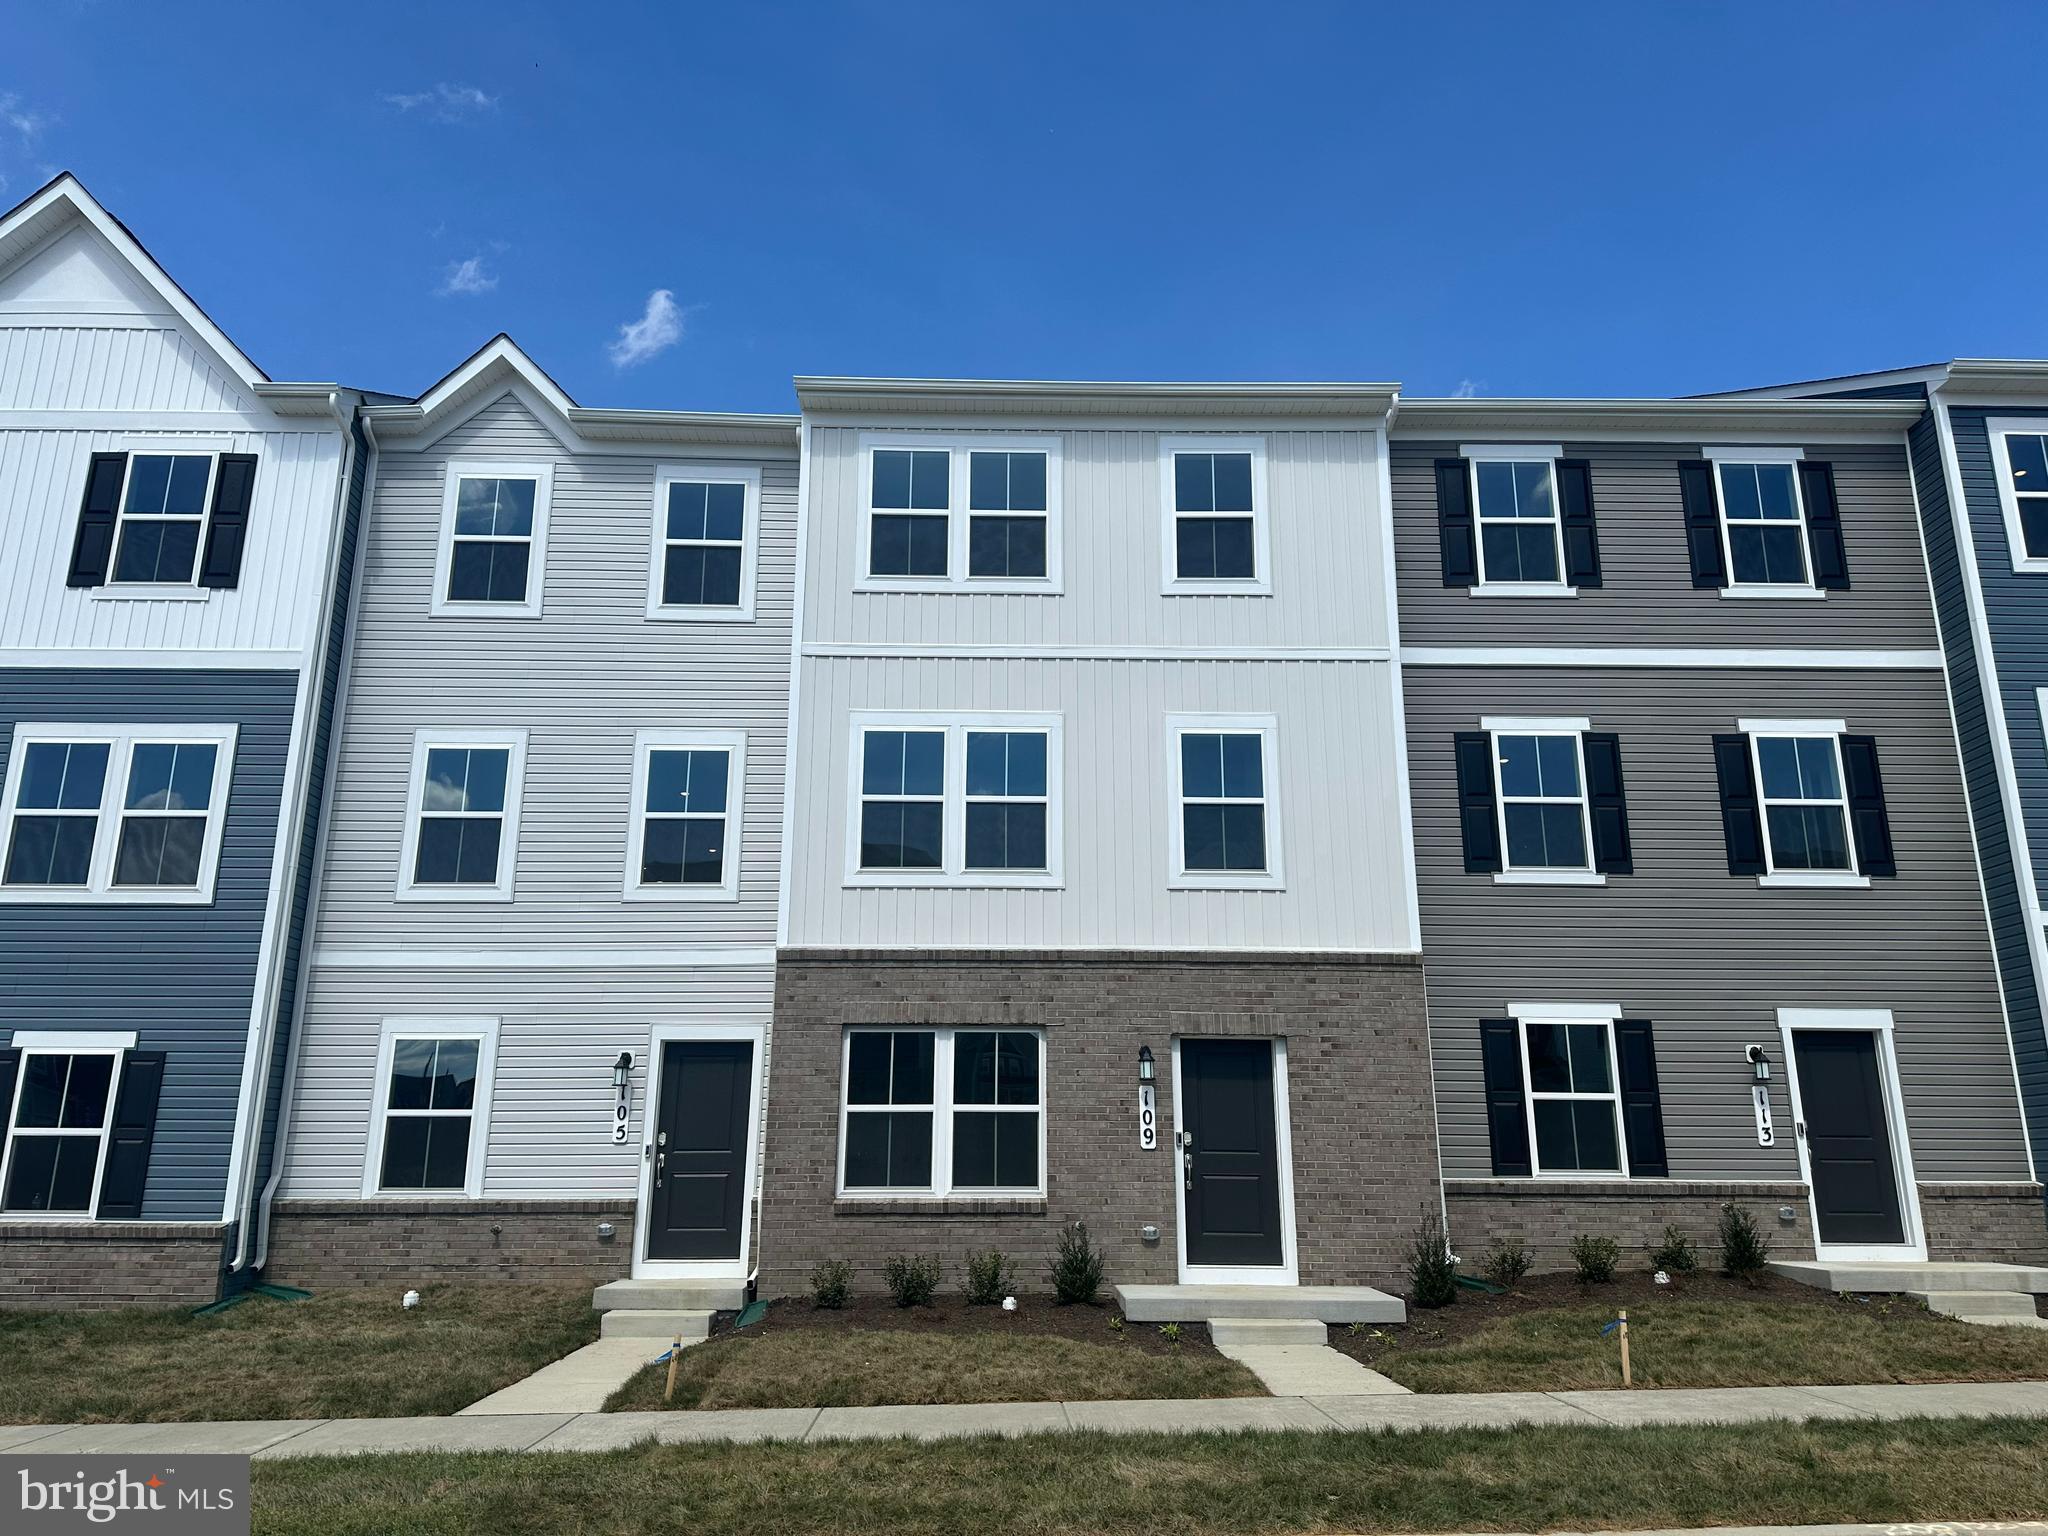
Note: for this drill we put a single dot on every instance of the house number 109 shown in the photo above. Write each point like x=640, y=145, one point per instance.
x=1148, y=1118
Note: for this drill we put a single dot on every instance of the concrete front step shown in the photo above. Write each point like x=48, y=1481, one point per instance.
x=633, y=1323
x=671, y=1296
x=1256, y=1332
x=1901, y=1278
x=1205, y=1303
x=1976, y=1304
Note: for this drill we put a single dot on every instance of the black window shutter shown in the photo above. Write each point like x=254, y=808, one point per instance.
x=1605, y=805
x=10, y=1064
x=1823, y=527
x=1454, y=523
x=1741, y=817
x=228, y=528
x=92, y=551
x=1476, y=817
x=1575, y=521
x=142, y=1079
x=1507, y=1123
x=1642, y=1110
x=1867, y=817
x=1702, y=522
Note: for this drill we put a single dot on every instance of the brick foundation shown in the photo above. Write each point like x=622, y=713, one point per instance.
x=65, y=1266
x=1546, y=1214
x=1363, y=1120
x=2001, y=1222
x=321, y=1243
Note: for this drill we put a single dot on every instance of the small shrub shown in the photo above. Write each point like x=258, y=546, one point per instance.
x=1116, y=1322
x=988, y=1278
x=1674, y=1255
x=831, y=1284
x=1595, y=1258
x=912, y=1278
x=1432, y=1272
x=1745, y=1252
x=1077, y=1268
x=1170, y=1332
x=1506, y=1262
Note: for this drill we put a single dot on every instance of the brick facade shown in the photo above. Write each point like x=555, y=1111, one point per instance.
x=2005, y=1223
x=47, y=1265
x=1359, y=1097
x=325, y=1243
x=1546, y=1214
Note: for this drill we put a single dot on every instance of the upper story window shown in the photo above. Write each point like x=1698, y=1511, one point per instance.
x=162, y=513
x=115, y=813
x=1764, y=526
x=705, y=519
x=916, y=538
x=2019, y=456
x=1540, y=802
x=1802, y=803
x=493, y=548
x=1516, y=520
x=462, y=816
x=432, y=1107
x=684, y=840
x=158, y=523
x=955, y=800
x=1517, y=506
x=1763, y=522
x=1223, y=833
x=1214, y=490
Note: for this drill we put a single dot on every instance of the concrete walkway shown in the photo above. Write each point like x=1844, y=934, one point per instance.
x=1310, y=1370
x=562, y=1431
x=579, y=1382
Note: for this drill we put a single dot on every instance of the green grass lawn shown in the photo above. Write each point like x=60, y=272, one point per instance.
x=861, y=1367
x=1678, y=1343
x=341, y=1354
x=1192, y=1485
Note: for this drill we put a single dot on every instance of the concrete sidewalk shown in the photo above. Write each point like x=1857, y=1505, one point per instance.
x=563, y=1431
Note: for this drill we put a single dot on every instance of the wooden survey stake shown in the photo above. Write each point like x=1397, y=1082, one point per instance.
x=675, y=1358
x=1626, y=1379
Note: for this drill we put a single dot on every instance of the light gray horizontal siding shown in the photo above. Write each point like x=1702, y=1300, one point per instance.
x=1647, y=596
x=1708, y=957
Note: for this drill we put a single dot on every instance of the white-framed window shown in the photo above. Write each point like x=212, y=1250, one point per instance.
x=462, y=815
x=1213, y=502
x=2019, y=458
x=1518, y=530
x=684, y=839
x=59, y=1123
x=494, y=537
x=960, y=514
x=1802, y=792
x=959, y=800
x=706, y=527
x=1763, y=520
x=1574, y=1097
x=162, y=524
x=431, y=1110
x=942, y=1112
x=115, y=813
x=1223, y=832
x=1539, y=782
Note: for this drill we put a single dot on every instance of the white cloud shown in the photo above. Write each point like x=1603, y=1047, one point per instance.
x=1467, y=389
x=659, y=327
x=444, y=103
x=467, y=276
x=21, y=128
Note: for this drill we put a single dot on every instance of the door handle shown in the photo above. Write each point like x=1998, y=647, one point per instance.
x=1187, y=1163
x=660, y=1167
x=1799, y=1129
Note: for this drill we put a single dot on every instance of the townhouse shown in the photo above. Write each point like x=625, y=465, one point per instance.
x=1699, y=899
x=178, y=546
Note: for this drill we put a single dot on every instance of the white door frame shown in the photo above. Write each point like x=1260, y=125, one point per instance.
x=645, y=1268
x=1876, y=1022
x=1287, y=1272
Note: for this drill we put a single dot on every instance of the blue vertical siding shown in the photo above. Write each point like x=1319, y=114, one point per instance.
x=183, y=978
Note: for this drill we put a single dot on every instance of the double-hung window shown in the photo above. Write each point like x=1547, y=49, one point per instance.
x=910, y=498
x=60, y=1115
x=2019, y=450
x=1224, y=834
x=1800, y=785
x=432, y=1106
x=1541, y=782
x=163, y=513
x=684, y=838
x=942, y=1112
x=1006, y=514
x=163, y=522
x=115, y=813
x=1214, y=495
x=705, y=516
x=960, y=514
x=1764, y=524
x=955, y=800
x=1574, y=1104
x=1515, y=510
x=462, y=816
x=493, y=550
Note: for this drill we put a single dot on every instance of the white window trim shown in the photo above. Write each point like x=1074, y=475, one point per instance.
x=121, y=741
x=1560, y=1015
x=1546, y=454
x=489, y=737
x=1178, y=876
x=953, y=817
x=1171, y=583
x=424, y=1027
x=958, y=448
x=1497, y=726
x=943, y=1110
x=1998, y=428
x=1877, y=1021
x=82, y=1039
x=455, y=471
x=1718, y=456
x=734, y=745
x=1852, y=877
x=16, y=1135
x=748, y=478
x=188, y=591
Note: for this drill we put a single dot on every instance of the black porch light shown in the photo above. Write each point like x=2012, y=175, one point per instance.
x=1146, y=1068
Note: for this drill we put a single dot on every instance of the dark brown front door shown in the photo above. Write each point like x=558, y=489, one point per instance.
x=698, y=1196
x=1230, y=1168
x=1848, y=1138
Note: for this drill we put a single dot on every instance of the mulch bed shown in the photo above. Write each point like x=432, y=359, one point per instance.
x=1039, y=1315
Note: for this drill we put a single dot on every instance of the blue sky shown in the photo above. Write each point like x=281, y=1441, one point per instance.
x=1645, y=198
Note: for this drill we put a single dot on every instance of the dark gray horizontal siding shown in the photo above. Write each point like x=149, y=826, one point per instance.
x=1647, y=596
x=182, y=977
x=1709, y=957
